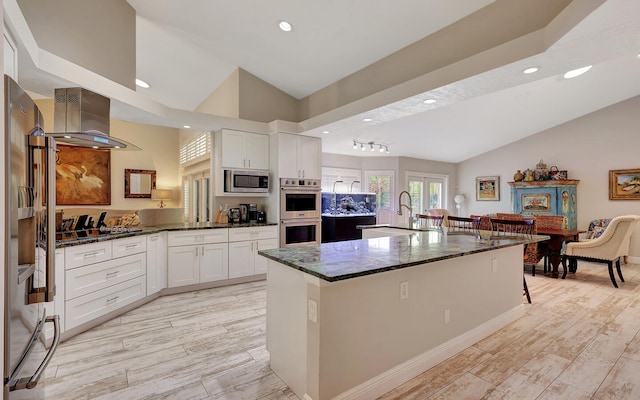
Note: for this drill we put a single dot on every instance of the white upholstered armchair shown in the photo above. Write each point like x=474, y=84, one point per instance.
x=608, y=248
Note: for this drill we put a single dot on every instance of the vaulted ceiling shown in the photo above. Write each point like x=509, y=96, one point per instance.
x=345, y=61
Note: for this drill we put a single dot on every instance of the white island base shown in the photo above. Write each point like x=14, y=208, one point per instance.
x=357, y=339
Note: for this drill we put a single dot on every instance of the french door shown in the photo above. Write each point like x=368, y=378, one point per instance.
x=427, y=191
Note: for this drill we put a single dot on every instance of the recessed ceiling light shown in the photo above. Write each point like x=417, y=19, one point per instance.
x=530, y=70
x=326, y=132
x=367, y=119
x=577, y=72
x=285, y=26
x=430, y=101
x=142, y=84
x=186, y=126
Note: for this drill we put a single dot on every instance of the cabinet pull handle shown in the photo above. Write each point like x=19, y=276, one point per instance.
x=91, y=254
x=249, y=163
x=196, y=252
x=199, y=237
x=112, y=274
x=131, y=246
x=251, y=246
x=112, y=300
x=153, y=238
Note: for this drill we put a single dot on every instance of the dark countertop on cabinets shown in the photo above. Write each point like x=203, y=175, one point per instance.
x=146, y=230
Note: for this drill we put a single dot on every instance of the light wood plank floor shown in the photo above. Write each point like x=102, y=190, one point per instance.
x=578, y=340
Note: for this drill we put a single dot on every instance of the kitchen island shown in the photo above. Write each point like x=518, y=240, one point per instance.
x=355, y=319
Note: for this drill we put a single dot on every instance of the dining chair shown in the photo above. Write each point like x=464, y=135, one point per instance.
x=429, y=221
x=521, y=227
x=509, y=216
x=532, y=254
x=485, y=222
x=608, y=248
x=440, y=211
x=549, y=222
x=463, y=223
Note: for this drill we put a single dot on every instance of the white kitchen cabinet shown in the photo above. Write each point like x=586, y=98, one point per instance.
x=244, y=244
x=127, y=246
x=96, y=304
x=299, y=156
x=244, y=150
x=102, y=277
x=205, y=259
x=183, y=267
x=156, y=262
x=214, y=262
x=78, y=256
x=260, y=263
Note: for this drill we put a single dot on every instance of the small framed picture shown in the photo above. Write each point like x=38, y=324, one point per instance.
x=624, y=184
x=488, y=188
x=536, y=202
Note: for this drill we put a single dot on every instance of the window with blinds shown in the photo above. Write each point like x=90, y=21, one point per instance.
x=196, y=149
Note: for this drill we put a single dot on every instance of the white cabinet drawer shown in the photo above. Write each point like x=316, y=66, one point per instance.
x=88, y=279
x=200, y=236
x=127, y=246
x=253, y=233
x=96, y=304
x=77, y=256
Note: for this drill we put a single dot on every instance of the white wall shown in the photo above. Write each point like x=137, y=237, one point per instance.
x=587, y=147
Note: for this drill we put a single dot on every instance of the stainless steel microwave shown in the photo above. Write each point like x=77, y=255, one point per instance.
x=246, y=181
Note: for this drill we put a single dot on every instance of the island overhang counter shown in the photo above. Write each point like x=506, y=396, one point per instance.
x=355, y=319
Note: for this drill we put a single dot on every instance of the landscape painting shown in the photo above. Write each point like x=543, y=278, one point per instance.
x=83, y=176
x=624, y=184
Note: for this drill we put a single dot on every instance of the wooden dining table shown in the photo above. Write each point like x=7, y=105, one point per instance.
x=557, y=238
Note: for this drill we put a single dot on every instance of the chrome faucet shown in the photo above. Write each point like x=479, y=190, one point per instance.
x=351, y=188
x=334, y=185
x=409, y=207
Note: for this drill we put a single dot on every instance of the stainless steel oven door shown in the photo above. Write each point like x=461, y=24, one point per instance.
x=297, y=232
x=300, y=204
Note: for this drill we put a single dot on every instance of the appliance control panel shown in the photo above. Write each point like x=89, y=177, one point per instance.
x=299, y=183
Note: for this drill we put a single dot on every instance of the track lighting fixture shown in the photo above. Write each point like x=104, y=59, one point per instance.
x=382, y=148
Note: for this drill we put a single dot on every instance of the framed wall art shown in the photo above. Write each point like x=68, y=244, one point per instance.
x=83, y=176
x=624, y=184
x=536, y=202
x=488, y=188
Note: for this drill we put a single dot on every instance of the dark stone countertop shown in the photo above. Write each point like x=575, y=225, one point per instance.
x=346, y=215
x=146, y=230
x=354, y=258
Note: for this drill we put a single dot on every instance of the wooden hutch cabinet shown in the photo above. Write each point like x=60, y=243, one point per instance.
x=546, y=197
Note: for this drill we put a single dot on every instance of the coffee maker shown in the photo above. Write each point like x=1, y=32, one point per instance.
x=253, y=212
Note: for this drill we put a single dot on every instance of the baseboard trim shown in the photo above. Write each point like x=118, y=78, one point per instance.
x=633, y=260
x=394, y=377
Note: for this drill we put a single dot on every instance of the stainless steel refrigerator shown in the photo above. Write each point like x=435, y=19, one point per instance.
x=29, y=235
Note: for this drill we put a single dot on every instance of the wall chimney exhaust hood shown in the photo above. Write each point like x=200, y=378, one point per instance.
x=81, y=118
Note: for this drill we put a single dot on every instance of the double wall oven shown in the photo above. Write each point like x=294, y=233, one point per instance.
x=300, y=203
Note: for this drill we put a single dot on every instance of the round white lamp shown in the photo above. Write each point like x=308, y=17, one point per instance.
x=459, y=199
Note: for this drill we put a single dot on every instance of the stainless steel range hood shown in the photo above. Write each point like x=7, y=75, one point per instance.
x=81, y=118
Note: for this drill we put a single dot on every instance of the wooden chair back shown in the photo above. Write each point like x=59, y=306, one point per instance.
x=429, y=221
x=463, y=223
x=512, y=226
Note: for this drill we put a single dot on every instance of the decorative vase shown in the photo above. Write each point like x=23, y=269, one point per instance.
x=518, y=176
x=528, y=175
